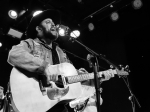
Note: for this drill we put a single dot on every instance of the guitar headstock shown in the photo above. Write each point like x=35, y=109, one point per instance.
x=124, y=71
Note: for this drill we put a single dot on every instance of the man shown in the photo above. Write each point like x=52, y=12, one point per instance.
x=1, y=98
x=36, y=57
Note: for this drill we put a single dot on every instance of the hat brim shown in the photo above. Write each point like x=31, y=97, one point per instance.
x=36, y=20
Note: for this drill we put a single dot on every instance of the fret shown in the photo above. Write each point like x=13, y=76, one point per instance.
x=79, y=78
x=87, y=76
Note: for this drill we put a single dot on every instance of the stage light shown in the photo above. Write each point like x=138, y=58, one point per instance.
x=137, y=4
x=61, y=32
x=111, y=6
x=80, y=1
x=1, y=44
x=37, y=12
x=12, y=14
x=114, y=16
x=22, y=12
x=75, y=33
x=65, y=31
x=15, y=33
x=91, y=26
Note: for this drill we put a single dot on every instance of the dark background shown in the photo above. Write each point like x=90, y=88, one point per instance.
x=124, y=42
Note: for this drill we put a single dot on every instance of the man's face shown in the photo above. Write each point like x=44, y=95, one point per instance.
x=49, y=29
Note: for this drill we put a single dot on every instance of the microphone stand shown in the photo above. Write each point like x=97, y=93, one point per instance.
x=132, y=98
x=94, y=62
x=95, y=66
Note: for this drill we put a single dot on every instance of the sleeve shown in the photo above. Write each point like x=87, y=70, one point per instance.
x=66, y=58
x=20, y=56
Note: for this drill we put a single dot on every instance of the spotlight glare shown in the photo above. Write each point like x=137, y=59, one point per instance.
x=22, y=12
x=0, y=44
x=137, y=4
x=114, y=16
x=12, y=14
x=91, y=26
x=37, y=12
x=75, y=34
x=61, y=32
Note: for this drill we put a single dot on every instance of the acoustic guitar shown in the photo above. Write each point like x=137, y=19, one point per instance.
x=29, y=95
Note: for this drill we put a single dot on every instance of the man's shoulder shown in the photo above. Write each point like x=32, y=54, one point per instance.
x=33, y=41
x=28, y=40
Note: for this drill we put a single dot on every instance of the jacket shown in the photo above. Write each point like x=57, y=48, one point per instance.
x=33, y=56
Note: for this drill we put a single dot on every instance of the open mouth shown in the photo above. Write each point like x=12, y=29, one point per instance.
x=53, y=29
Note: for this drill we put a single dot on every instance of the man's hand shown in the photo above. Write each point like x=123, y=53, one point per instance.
x=107, y=75
x=51, y=72
x=82, y=71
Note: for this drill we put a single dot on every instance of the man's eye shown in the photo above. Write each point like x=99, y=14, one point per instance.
x=47, y=22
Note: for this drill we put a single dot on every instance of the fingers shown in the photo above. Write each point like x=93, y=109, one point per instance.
x=82, y=70
x=52, y=77
x=51, y=73
x=108, y=74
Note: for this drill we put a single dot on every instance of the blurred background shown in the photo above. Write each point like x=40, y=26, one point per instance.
x=118, y=29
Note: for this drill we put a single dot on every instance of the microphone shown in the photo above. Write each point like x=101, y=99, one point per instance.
x=62, y=30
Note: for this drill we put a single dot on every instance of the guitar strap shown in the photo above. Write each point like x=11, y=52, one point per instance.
x=55, y=57
x=56, y=60
x=9, y=105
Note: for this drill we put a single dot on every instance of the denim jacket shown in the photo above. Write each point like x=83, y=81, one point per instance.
x=33, y=56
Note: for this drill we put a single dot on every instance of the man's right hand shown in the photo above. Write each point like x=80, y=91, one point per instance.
x=51, y=72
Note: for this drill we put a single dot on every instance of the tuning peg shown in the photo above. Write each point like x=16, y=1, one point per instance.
x=120, y=66
x=127, y=68
x=111, y=66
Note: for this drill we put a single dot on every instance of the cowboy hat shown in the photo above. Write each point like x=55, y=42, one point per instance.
x=36, y=20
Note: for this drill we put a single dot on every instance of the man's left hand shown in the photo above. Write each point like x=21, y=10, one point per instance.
x=82, y=71
x=107, y=75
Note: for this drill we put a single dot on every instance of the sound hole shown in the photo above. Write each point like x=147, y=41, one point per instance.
x=59, y=83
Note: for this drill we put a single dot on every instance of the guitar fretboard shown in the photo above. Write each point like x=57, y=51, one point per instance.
x=83, y=77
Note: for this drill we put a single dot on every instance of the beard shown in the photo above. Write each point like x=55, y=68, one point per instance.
x=50, y=35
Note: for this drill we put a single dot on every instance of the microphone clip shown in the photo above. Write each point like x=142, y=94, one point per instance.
x=91, y=60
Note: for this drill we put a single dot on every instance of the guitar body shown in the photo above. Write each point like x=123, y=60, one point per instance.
x=27, y=95
x=1, y=110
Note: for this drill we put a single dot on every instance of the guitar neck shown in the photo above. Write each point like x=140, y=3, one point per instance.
x=84, y=77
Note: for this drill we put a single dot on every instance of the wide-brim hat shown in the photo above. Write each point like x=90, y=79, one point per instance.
x=55, y=15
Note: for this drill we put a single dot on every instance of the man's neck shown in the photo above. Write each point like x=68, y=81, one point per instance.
x=47, y=41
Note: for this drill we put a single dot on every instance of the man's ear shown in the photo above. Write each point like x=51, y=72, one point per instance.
x=38, y=29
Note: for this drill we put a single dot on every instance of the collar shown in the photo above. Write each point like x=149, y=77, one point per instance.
x=54, y=44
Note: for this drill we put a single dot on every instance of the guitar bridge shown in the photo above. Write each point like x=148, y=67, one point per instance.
x=64, y=80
